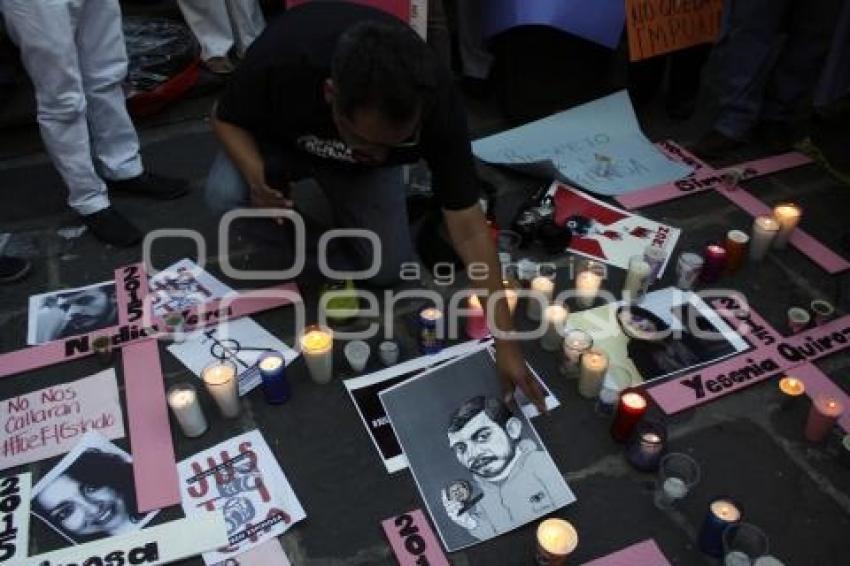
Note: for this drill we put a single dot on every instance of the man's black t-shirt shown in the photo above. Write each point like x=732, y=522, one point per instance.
x=277, y=95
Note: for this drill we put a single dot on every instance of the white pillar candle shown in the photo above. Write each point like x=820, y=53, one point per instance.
x=764, y=231
x=637, y=279
x=317, y=347
x=587, y=286
x=555, y=317
x=576, y=343
x=556, y=539
x=183, y=400
x=788, y=215
x=594, y=364
x=222, y=383
x=542, y=289
x=357, y=354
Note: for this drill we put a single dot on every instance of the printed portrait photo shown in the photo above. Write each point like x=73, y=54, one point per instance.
x=71, y=312
x=90, y=494
x=480, y=466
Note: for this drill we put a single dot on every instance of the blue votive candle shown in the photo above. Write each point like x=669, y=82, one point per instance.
x=272, y=368
x=430, y=331
x=722, y=513
x=647, y=446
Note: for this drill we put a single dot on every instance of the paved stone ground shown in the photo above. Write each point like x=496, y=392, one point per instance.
x=748, y=448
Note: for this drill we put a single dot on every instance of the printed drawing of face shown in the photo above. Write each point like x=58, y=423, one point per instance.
x=83, y=510
x=86, y=309
x=483, y=446
x=237, y=512
x=459, y=491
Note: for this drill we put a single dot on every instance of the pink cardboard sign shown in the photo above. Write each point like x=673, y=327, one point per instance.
x=154, y=468
x=211, y=313
x=50, y=421
x=644, y=553
x=413, y=541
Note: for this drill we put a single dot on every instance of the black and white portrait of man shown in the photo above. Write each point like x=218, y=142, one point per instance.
x=71, y=312
x=480, y=466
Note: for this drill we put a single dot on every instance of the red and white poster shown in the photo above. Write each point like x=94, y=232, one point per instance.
x=242, y=478
x=605, y=233
x=51, y=421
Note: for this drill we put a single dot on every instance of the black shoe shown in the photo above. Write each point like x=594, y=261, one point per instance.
x=13, y=268
x=714, y=145
x=778, y=137
x=111, y=227
x=152, y=186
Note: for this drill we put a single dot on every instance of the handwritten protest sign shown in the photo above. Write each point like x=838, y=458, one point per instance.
x=14, y=517
x=50, y=421
x=662, y=26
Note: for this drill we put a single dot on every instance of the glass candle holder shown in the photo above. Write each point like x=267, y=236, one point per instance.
x=357, y=354
x=655, y=257
x=617, y=380
x=791, y=391
x=688, y=269
x=542, y=289
x=594, y=366
x=272, y=366
x=186, y=408
x=647, y=446
x=637, y=279
x=764, y=231
x=798, y=319
x=576, y=343
x=588, y=282
x=389, y=352
x=222, y=384
x=677, y=475
x=822, y=310
x=722, y=513
x=556, y=540
x=742, y=544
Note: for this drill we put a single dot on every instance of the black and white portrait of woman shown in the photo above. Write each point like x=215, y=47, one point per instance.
x=90, y=494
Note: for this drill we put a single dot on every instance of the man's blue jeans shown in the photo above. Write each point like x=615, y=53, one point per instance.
x=764, y=77
x=372, y=200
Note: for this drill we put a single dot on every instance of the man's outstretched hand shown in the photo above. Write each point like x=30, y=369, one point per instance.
x=513, y=373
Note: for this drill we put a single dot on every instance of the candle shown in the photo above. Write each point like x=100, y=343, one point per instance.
x=798, y=319
x=594, y=364
x=637, y=279
x=715, y=262
x=510, y=295
x=388, y=352
x=174, y=326
x=555, y=317
x=677, y=474
x=476, y=322
x=765, y=229
x=630, y=411
x=317, y=347
x=576, y=343
x=823, y=413
x=736, y=250
x=647, y=446
x=791, y=389
x=655, y=257
x=542, y=289
x=721, y=514
x=788, y=216
x=183, y=400
x=556, y=539
x=743, y=543
x=688, y=269
x=220, y=380
x=587, y=285
x=617, y=379
x=357, y=354
x=272, y=368
x=768, y=560
x=823, y=311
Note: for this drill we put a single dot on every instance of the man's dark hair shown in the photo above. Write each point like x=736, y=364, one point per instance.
x=384, y=66
x=494, y=408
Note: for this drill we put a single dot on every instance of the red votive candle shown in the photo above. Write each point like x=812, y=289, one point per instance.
x=715, y=262
x=824, y=412
x=630, y=411
x=736, y=250
x=476, y=322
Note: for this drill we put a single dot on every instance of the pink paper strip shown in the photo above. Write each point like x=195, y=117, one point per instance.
x=818, y=383
x=748, y=323
x=412, y=538
x=154, y=465
x=76, y=347
x=644, y=553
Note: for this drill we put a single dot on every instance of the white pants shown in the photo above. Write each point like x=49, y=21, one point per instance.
x=218, y=24
x=75, y=54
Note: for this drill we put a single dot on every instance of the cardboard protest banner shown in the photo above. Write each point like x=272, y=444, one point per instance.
x=161, y=544
x=413, y=541
x=662, y=26
x=242, y=478
x=598, y=146
x=240, y=341
x=14, y=517
x=446, y=419
x=645, y=553
x=52, y=420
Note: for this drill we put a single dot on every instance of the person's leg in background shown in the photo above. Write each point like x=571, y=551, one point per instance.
x=685, y=80
x=439, y=37
x=811, y=25
x=375, y=201
x=247, y=22
x=45, y=33
x=210, y=23
x=476, y=60
x=746, y=52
